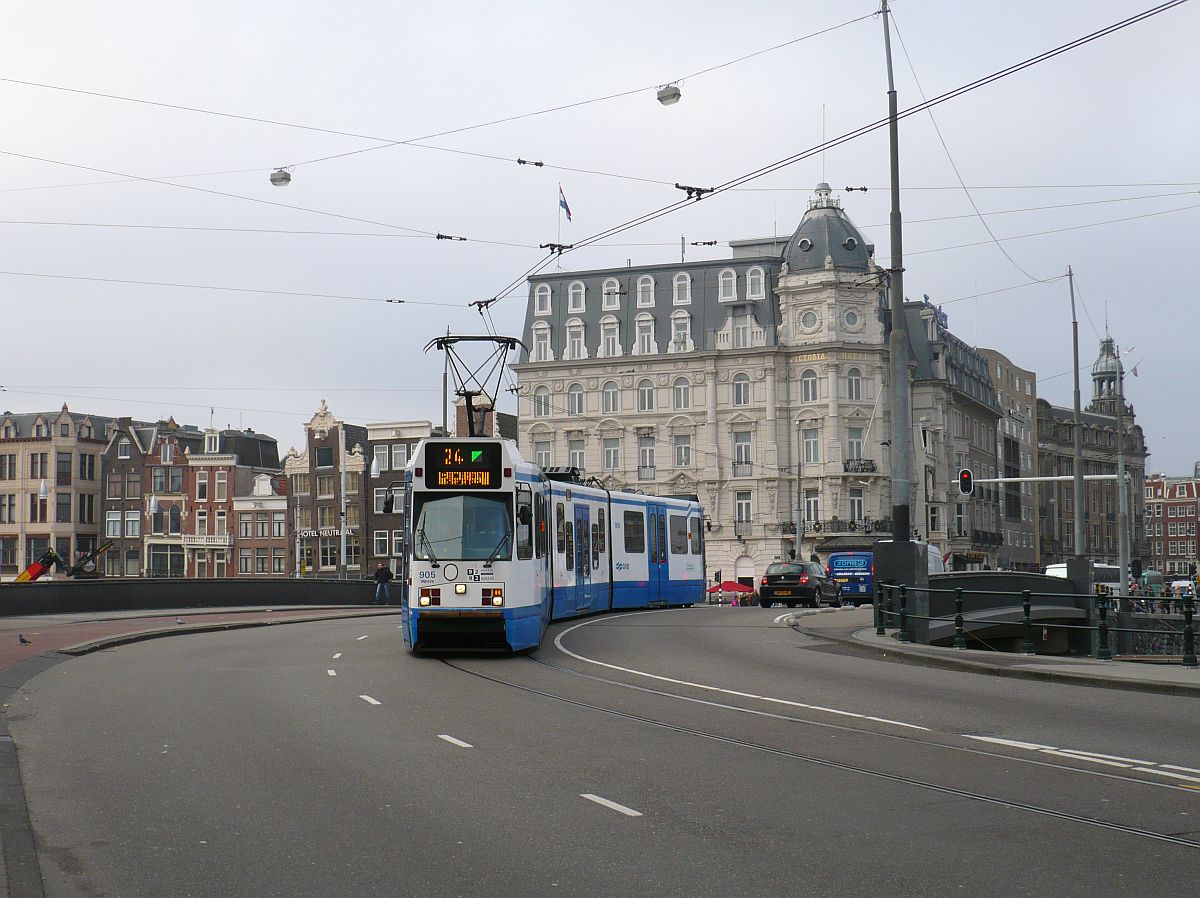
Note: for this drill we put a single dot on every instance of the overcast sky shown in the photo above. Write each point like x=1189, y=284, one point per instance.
x=1105, y=132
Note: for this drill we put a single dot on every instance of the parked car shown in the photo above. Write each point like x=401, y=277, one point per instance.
x=794, y=582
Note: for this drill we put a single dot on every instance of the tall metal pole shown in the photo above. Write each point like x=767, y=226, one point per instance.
x=1122, y=492
x=898, y=341
x=445, y=387
x=1077, y=487
x=799, y=493
x=342, y=467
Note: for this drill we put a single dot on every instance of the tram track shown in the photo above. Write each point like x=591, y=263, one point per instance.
x=844, y=766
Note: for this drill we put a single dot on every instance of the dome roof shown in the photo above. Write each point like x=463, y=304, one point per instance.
x=826, y=231
x=1107, y=362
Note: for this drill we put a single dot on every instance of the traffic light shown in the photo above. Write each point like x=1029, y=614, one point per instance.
x=717, y=577
x=966, y=482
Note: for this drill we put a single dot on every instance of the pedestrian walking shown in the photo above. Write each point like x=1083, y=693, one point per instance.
x=383, y=576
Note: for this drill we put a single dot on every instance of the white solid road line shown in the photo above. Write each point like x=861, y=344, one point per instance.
x=1093, y=754
x=332, y=673
x=1076, y=754
x=454, y=741
x=338, y=655
x=1011, y=743
x=369, y=700
x=1176, y=767
x=619, y=808
x=762, y=698
x=360, y=638
x=1075, y=757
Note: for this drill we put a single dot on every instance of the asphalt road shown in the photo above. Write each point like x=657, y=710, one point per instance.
x=707, y=751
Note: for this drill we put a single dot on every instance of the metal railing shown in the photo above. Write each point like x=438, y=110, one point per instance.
x=645, y=472
x=742, y=469
x=743, y=528
x=892, y=603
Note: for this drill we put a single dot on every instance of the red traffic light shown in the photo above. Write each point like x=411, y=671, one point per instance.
x=966, y=482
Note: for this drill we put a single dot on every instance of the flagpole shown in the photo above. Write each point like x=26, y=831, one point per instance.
x=558, y=231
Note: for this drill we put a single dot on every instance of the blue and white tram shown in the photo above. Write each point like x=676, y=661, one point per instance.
x=497, y=549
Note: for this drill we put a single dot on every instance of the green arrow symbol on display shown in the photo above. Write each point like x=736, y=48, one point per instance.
x=475, y=454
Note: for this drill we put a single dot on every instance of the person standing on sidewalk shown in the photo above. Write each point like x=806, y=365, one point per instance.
x=383, y=576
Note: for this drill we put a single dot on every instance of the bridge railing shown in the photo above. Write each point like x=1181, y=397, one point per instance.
x=1166, y=635
x=143, y=594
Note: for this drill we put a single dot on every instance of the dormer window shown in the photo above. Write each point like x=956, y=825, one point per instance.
x=681, y=332
x=727, y=285
x=211, y=443
x=644, y=341
x=541, y=343
x=611, y=289
x=541, y=299
x=575, y=346
x=123, y=449
x=755, y=284
x=168, y=453
x=645, y=292
x=610, y=337
x=682, y=289
x=575, y=297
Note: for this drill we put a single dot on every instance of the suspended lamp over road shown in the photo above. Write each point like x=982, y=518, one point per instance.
x=669, y=94
x=281, y=177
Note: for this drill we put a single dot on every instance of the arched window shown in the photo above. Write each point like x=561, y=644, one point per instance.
x=541, y=299
x=682, y=393
x=808, y=385
x=173, y=520
x=612, y=398
x=610, y=337
x=741, y=389
x=727, y=285
x=575, y=346
x=645, y=292
x=681, y=332
x=541, y=343
x=755, y=285
x=611, y=289
x=541, y=402
x=645, y=395
x=682, y=292
x=575, y=297
x=575, y=399
x=644, y=337
x=854, y=384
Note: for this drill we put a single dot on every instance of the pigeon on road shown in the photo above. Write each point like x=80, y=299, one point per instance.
x=21, y=639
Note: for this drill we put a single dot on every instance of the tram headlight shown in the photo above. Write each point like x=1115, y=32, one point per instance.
x=424, y=601
x=497, y=600
x=460, y=589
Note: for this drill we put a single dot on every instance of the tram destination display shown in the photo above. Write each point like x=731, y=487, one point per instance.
x=463, y=466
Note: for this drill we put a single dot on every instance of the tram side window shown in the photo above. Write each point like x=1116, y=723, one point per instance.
x=635, y=533
x=524, y=522
x=569, y=532
x=662, y=539
x=595, y=546
x=560, y=535
x=679, y=534
x=695, y=528
x=602, y=534
x=539, y=525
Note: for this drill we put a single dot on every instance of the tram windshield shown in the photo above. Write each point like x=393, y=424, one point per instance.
x=462, y=527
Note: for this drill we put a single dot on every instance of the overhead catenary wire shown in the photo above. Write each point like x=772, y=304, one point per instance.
x=880, y=123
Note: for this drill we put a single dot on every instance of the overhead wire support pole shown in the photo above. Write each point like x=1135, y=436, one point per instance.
x=898, y=338
x=1077, y=464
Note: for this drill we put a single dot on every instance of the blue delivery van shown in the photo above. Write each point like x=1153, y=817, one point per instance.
x=855, y=571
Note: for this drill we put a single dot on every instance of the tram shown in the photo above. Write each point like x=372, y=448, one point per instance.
x=499, y=548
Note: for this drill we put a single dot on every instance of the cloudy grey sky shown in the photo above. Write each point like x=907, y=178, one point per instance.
x=1105, y=136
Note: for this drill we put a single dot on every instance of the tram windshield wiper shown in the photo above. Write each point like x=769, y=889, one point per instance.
x=433, y=562
x=496, y=551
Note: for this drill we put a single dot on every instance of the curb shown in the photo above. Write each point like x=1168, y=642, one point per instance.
x=96, y=645
x=896, y=654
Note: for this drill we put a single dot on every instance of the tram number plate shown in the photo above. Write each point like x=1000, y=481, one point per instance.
x=477, y=575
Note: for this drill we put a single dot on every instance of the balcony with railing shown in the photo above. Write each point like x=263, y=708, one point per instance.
x=743, y=469
x=645, y=472
x=841, y=526
x=859, y=466
x=742, y=529
x=208, y=540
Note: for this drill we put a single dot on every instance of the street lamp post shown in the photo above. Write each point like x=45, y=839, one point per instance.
x=799, y=492
x=1122, y=491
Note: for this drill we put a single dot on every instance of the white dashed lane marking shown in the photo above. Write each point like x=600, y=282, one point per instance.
x=332, y=673
x=369, y=700
x=361, y=638
x=338, y=655
x=454, y=741
x=1093, y=757
x=612, y=805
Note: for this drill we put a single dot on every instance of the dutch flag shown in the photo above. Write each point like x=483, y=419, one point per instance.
x=562, y=202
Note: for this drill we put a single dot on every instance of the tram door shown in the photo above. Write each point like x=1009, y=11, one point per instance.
x=656, y=543
x=583, y=559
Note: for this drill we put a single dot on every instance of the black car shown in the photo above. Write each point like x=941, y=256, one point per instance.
x=794, y=582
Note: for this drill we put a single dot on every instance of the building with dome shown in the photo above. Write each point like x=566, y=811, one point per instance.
x=725, y=379
x=1055, y=433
